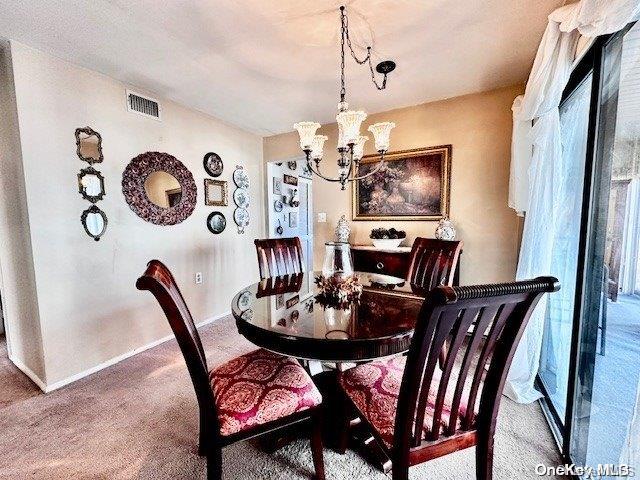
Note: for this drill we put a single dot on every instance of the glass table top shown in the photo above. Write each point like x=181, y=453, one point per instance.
x=284, y=310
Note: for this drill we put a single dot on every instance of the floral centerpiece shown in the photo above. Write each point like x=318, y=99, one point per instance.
x=336, y=292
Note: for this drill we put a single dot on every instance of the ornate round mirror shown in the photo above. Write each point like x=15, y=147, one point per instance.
x=159, y=188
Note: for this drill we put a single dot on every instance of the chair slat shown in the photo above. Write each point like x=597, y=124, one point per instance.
x=279, y=256
x=433, y=262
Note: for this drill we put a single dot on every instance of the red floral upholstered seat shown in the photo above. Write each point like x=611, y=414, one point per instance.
x=374, y=388
x=260, y=387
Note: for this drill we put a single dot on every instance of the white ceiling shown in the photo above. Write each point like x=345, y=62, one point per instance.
x=264, y=64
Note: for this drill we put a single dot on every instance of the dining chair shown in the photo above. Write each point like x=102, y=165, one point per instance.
x=279, y=256
x=433, y=262
x=253, y=394
x=418, y=412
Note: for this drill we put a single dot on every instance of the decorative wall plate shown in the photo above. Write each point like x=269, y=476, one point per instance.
x=241, y=217
x=293, y=165
x=133, y=188
x=241, y=197
x=240, y=178
x=278, y=206
x=216, y=222
x=213, y=164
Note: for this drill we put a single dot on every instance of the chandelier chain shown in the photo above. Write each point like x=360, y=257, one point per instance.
x=344, y=34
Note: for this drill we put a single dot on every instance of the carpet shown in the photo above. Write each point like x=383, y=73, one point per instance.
x=138, y=420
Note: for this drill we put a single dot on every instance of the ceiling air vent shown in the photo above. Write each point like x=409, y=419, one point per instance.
x=141, y=105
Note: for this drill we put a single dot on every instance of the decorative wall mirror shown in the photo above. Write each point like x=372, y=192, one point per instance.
x=91, y=184
x=159, y=188
x=216, y=193
x=216, y=222
x=94, y=222
x=213, y=164
x=89, y=145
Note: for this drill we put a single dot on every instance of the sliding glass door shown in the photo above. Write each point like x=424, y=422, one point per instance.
x=590, y=360
x=608, y=350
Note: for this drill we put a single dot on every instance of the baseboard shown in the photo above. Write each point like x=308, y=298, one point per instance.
x=29, y=373
x=46, y=388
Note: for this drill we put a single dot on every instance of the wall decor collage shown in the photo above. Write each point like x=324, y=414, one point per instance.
x=158, y=188
x=91, y=182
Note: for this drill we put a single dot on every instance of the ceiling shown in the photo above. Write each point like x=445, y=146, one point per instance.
x=264, y=64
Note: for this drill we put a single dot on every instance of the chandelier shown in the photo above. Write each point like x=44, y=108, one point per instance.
x=350, y=142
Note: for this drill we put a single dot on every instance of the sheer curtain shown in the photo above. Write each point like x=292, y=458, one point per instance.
x=536, y=165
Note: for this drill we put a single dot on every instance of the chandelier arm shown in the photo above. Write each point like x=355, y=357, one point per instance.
x=372, y=172
x=317, y=172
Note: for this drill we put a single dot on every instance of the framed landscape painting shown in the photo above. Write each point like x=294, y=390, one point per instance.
x=412, y=185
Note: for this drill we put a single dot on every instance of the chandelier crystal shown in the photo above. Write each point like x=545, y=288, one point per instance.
x=350, y=141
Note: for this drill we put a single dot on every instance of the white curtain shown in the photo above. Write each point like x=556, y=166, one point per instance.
x=536, y=186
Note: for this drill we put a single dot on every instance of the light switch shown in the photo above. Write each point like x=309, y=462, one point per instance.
x=322, y=217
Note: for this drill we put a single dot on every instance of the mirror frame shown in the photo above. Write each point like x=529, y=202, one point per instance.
x=91, y=171
x=83, y=220
x=210, y=184
x=133, y=179
x=89, y=131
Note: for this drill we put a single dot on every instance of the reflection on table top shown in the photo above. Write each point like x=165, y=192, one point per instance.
x=282, y=310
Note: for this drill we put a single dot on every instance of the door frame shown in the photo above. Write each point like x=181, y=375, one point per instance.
x=592, y=198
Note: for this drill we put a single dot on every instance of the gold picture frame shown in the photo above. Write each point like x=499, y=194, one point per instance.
x=216, y=193
x=422, y=173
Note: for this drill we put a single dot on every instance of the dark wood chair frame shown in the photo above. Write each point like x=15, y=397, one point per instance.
x=160, y=282
x=433, y=262
x=279, y=256
x=503, y=311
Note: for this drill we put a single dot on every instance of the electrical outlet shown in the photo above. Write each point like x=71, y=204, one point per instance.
x=322, y=217
x=198, y=278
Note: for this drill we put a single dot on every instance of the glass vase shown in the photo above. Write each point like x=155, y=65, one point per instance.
x=337, y=260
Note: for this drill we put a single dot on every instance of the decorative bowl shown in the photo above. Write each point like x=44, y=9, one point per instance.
x=387, y=243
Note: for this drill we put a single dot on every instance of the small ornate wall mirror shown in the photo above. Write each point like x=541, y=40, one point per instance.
x=89, y=145
x=91, y=184
x=159, y=188
x=216, y=222
x=216, y=193
x=213, y=164
x=94, y=222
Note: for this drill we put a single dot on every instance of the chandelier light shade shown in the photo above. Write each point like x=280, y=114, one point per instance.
x=381, y=135
x=358, y=149
x=317, y=146
x=350, y=142
x=350, y=122
x=307, y=132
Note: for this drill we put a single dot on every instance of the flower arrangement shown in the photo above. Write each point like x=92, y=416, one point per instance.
x=384, y=234
x=338, y=292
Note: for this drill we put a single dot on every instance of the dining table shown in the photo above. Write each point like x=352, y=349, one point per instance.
x=288, y=315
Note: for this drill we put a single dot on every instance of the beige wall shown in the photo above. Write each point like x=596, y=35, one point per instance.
x=479, y=128
x=90, y=311
x=17, y=277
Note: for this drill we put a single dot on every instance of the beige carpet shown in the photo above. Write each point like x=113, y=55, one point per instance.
x=138, y=419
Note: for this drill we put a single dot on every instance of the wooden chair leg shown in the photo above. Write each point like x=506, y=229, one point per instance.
x=400, y=471
x=484, y=456
x=316, y=445
x=214, y=464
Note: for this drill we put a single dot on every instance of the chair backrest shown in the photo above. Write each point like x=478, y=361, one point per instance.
x=279, y=256
x=160, y=282
x=433, y=262
x=482, y=326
